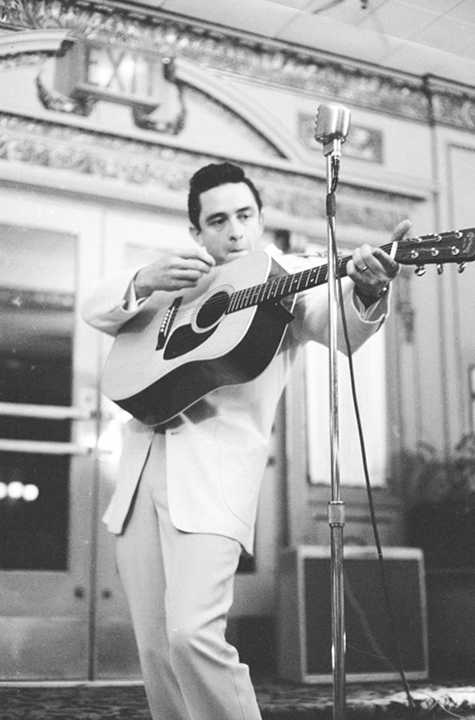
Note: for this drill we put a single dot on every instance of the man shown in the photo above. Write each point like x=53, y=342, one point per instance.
x=186, y=498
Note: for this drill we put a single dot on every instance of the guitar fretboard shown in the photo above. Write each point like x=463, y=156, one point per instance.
x=281, y=286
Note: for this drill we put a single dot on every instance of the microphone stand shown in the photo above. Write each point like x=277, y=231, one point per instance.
x=336, y=508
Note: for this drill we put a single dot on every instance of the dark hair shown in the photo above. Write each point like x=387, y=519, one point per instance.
x=211, y=176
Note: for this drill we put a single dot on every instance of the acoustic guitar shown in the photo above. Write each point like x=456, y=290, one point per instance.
x=228, y=328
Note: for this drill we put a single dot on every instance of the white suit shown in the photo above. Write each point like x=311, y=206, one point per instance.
x=213, y=464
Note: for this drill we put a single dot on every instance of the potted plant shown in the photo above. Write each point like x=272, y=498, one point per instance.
x=439, y=496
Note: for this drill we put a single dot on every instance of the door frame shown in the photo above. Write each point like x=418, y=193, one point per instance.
x=45, y=629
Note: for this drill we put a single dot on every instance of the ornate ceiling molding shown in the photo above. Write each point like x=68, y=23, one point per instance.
x=453, y=109
x=32, y=41
x=25, y=59
x=251, y=56
x=157, y=165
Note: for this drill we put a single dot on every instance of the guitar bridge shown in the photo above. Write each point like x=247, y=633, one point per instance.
x=167, y=323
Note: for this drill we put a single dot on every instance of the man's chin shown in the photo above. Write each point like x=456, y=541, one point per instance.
x=236, y=254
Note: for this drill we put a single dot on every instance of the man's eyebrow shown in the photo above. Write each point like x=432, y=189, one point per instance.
x=222, y=214
x=215, y=216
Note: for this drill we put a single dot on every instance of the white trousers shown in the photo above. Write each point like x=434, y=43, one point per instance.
x=179, y=587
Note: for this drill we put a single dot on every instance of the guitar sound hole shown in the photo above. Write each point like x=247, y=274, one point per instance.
x=211, y=311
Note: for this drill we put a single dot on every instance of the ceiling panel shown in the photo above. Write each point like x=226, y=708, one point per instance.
x=469, y=54
x=447, y=34
x=297, y=4
x=262, y=16
x=421, y=60
x=331, y=36
x=398, y=19
x=464, y=11
x=436, y=6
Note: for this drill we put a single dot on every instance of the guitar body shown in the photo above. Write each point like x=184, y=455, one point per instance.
x=184, y=345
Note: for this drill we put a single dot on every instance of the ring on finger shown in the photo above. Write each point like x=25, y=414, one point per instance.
x=363, y=269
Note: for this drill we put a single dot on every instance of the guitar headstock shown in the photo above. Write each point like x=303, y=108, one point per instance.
x=457, y=246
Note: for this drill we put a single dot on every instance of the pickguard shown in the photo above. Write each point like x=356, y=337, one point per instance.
x=183, y=340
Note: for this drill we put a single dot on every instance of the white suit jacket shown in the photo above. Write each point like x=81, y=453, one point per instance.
x=215, y=459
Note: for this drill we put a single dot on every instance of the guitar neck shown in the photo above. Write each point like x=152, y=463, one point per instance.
x=284, y=285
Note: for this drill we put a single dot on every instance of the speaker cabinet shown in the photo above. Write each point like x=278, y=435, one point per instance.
x=304, y=614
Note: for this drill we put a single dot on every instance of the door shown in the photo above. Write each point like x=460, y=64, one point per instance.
x=48, y=398
x=63, y=614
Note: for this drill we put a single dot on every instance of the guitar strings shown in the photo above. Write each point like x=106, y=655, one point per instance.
x=254, y=292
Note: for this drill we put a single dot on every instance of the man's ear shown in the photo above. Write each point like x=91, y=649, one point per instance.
x=195, y=234
x=261, y=224
x=261, y=220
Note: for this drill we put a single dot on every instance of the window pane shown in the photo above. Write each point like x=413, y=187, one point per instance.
x=370, y=376
x=37, y=310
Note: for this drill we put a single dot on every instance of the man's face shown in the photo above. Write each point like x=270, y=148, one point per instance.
x=230, y=222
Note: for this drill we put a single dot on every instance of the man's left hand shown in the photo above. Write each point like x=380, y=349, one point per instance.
x=372, y=270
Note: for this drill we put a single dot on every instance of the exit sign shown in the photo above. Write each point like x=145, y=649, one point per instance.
x=113, y=72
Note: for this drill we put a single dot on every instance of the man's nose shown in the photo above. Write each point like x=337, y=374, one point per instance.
x=235, y=229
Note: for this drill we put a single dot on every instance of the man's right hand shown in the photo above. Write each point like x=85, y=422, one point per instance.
x=173, y=270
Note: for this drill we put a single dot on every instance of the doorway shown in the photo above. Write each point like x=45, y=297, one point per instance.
x=63, y=614
x=48, y=415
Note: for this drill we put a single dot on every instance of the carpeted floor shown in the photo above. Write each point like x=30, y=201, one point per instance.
x=278, y=701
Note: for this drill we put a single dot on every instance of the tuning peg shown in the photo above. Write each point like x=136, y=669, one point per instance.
x=461, y=267
x=420, y=270
x=440, y=268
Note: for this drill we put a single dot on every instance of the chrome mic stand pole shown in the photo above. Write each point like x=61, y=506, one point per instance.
x=331, y=129
x=336, y=507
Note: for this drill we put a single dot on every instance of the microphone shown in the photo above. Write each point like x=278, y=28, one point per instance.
x=332, y=123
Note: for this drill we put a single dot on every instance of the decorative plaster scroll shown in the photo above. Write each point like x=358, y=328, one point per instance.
x=123, y=159
x=149, y=120
x=62, y=103
x=144, y=119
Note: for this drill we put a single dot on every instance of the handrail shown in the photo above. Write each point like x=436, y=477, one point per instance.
x=49, y=412
x=43, y=447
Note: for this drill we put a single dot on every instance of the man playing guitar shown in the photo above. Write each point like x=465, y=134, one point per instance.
x=186, y=497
